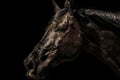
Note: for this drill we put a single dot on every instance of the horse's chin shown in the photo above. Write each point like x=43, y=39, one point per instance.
x=30, y=75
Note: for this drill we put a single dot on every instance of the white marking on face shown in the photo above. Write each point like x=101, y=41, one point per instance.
x=64, y=21
x=50, y=38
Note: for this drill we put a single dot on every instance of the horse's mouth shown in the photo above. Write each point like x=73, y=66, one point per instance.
x=30, y=74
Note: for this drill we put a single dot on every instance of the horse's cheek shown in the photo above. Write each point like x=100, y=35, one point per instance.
x=70, y=45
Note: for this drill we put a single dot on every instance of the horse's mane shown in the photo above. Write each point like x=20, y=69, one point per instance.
x=108, y=16
x=107, y=20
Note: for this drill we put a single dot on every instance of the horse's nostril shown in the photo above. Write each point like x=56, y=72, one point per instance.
x=30, y=65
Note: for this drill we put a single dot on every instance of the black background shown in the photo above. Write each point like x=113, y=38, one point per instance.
x=26, y=23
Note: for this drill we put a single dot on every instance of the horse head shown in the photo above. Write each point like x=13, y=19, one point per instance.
x=60, y=43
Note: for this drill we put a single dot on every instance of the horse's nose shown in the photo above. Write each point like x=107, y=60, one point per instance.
x=28, y=64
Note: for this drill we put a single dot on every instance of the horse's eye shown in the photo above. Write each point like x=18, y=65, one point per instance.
x=61, y=29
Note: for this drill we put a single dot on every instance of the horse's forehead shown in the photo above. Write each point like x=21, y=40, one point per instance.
x=61, y=21
x=67, y=17
x=60, y=13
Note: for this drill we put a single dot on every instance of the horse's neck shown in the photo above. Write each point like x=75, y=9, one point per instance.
x=109, y=61
x=110, y=47
x=103, y=44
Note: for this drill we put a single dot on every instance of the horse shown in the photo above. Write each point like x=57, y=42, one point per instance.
x=67, y=36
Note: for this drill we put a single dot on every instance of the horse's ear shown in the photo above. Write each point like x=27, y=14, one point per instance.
x=56, y=7
x=67, y=4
